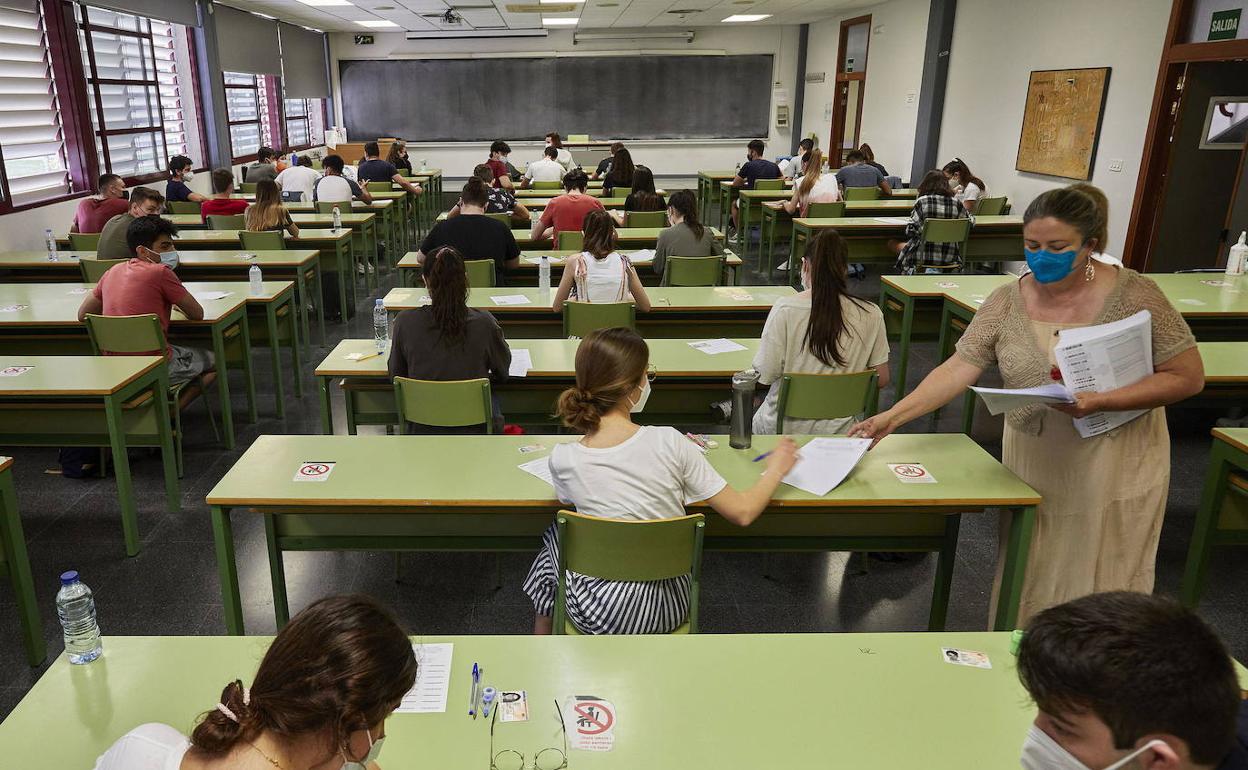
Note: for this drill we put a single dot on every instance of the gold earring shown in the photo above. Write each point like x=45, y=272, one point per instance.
x=1089, y=270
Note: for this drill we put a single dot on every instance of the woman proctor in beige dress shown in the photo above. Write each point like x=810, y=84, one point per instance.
x=1104, y=497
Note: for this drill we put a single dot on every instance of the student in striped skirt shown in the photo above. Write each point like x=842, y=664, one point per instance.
x=621, y=470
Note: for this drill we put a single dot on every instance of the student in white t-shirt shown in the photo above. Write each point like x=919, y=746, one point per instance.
x=337, y=188
x=564, y=157
x=545, y=169
x=300, y=178
x=967, y=188
x=600, y=273
x=320, y=698
x=621, y=470
x=813, y=187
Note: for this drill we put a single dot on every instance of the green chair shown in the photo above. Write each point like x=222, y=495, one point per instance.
x=570, y=240
x=182, y=207
x=826, y=396
x=826, y=210
x=379, y=186
x=621, y=192
x=480, y=273
x=988, y=207
x=862, y=193
x=138, y=334
x=768, y=184
x=327, y=207
x=501, y=216
x=581, y=318
x=941, y=231
x=645, y=219
x=226, y=222
x=448, y=404
x=632, y=551
x=94, y=269
x=84, y=241
x=578, y=138
x=266, y=240
x=247, y=188
x=547, y=185
x=692, y=271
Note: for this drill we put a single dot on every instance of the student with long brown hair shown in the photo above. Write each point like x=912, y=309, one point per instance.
x=967, y=188
x=446, y=339
x=397, y=156
x=621, y=173
x=685, y=235
x=600, y=273
x=642, y=198
x=815, y=186
x=621, y=470
x=320, y=699
x=936, y=201
x=268, y=212
x=821, y=330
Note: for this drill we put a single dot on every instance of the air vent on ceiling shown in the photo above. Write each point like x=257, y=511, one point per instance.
x=684, y=11
x=539, y=8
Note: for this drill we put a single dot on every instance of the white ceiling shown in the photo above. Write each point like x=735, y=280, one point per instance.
x=411, y=15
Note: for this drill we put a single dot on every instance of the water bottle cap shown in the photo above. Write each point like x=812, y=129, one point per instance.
x=379, y=303
x=68, y=578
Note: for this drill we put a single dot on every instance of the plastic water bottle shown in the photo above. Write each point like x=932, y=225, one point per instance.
x=543, y=275
x=381, y=326
x=1237, y=258
x=50, y=240
x=337, y=219
x=75, y=605
x=256, y=281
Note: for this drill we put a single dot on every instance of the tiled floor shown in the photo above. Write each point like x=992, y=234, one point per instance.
x=171, y=587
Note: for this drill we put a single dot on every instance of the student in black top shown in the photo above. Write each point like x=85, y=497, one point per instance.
x=179, y=174
x=621, y=173
x=642, y=198
x=756, y=167
x=475, y=235
x=374, y=169
x=604, y=165
x=398, y=156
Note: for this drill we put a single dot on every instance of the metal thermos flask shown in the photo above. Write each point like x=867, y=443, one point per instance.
x=741, y=423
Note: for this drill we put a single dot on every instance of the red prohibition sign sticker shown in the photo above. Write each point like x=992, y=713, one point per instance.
x=592, y=725
x=314, y=471
x=593, y=718
x=911, y=473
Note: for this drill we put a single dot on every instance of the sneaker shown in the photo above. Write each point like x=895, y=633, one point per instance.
x=732, y=238
x=359, y=269
x=783, y=267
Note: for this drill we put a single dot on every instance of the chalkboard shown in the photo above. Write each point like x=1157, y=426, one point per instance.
x=608, y=97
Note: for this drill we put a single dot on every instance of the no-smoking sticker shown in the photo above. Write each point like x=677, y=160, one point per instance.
x=911, y=473
x=14, y=371
x=314, y=471
x=591, y=723
x=13, y=308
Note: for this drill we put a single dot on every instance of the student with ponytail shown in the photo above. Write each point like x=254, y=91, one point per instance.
x=686, y=237
x=600, y=273
x=320, y=699
x=621, y=470
x=446, y=339
x=815, y=186
x=967, y=188
x=822, y=330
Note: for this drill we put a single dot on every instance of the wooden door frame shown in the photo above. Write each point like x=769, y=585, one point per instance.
x=842, y=80
x=1150, y=184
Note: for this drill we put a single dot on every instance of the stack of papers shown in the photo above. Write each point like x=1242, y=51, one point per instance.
x=825, y=462
x=433, y=680
x=1000, y=400
x=521, y=363
x=641, y=255
x=210, y=295
x=1106, y=357
x=511, y=299
x=713, y=347
x=539, y=468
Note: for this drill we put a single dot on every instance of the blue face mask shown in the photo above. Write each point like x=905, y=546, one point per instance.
x=1050, y=267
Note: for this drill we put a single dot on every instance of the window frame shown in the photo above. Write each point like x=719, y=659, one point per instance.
x=271, y=110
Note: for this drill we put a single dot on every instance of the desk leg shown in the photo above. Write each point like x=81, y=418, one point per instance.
x=270, y=322
x=797, y=248
x=227, y=570
x=223, y=386
x=1211, y=500
x=907, y=331
x=168, y=455
x=346, y=275
x=244, y=348
x=743, y=232
x=121, y=467
x=327, y=415
x=770, y=216
x=295, y=357
x=942, y=347
x=301, y=298
x=370, y=243
x=14, y=542
x=320, y=299
x=277, y=573
x=1015, y=567
x=945, y=559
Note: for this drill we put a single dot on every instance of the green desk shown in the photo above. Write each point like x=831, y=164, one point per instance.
x=386, y=205
x=627, y=238
x=1215, y=306
x=424, y=493
x=537, y=204
x=34, y=265
x=429, y=202
x=681, y=312
x=754, y=211
x=92, y=401
x=1223, y=515
x=524, y=195
x=183, y=221
x=773, y=217
x=530, y=261
x=708, y=190
x=777, y=700
x=49, y=325
x=17, y=567
x=689, y=382
x=363, y=227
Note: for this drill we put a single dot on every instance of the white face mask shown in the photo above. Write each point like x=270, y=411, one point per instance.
x=640, y=403
x=374, y=750
x=1041, y=752
x=188, y=175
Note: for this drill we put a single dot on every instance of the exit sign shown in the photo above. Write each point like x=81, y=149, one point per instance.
x=363, y=39
x=1225, y=25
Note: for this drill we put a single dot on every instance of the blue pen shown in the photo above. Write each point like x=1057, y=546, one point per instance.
x=763, y=456
x=472, y=692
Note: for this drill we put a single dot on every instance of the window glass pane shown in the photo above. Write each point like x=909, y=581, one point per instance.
x=240, y=104
x=316, y=122
x=245, y=139
x=30, y=119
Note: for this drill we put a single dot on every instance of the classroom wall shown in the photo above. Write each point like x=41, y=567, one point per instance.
x=995, y=47
x=667, y=158
x=894, y=75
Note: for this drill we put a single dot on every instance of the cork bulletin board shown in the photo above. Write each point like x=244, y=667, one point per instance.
x=1062, y=122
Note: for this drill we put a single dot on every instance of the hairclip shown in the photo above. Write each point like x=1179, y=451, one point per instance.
x=224, y=709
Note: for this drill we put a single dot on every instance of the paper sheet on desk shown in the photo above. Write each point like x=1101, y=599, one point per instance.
x=713, y=347
x=433, y=680
x=641, y=255
x=538, y=260
x=1001, y=400
x=521, y=363
x=539, y=468
x=1104, y=357
x=891, y=220
x=210, y=295
x=825, y=462
x=511, y=299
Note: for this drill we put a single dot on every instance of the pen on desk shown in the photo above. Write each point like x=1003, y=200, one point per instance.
x=763, y=456
x=472, y=693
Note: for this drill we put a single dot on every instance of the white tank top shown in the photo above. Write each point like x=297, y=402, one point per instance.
x=602, y=280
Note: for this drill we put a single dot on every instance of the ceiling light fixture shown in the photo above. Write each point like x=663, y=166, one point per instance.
x=323, y=3
x=377, y=24
x=559, y=2
x=549, y=22
x=741, y=17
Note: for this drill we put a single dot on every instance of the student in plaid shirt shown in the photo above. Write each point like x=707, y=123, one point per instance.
x=936, y=201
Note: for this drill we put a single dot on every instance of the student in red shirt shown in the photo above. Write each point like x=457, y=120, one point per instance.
x=567, y=212
x=220, y=201
x=499, y=151
x=146, y=283
x=93, y=212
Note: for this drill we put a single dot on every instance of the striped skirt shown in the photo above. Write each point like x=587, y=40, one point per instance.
x=597, y=606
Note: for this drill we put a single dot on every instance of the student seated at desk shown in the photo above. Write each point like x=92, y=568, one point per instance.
x=446, y=339
x=268, y=213
x=265, y=167
x=604, y=165
x=94, y=212
x=179, y=174
x=320, y=699
x=686, y=236
x=498, y=164
x=966, y=186
x=642, y=198
x=397, y=156
x=500, y=200
x=621, y=174
x=475, y=235
x=935, y=201
x=374, y=169
x=300, y=178
x=544, y=169
x=621, y=470
x=869, y=154
x=220, y=202
x=146, y=283
x=794, y=168
x=144, y=201
x=814, y=187
x=333, y=186
x=858, y=173
x=567, y=212
x=564, y=157
x=821, y=330
x=1130, y=680
x=756, y=167
x=600, y=273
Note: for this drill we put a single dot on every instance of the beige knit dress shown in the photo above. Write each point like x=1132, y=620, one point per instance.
x=1104, y=497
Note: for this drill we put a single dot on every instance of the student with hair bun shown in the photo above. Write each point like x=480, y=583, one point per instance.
x=621, y=470
x=600, y=273
x=320, y=699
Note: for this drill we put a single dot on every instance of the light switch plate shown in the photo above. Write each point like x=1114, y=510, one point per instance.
x=1115, y=165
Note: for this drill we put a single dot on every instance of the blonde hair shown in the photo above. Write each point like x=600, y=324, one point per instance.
x=1102, y=204
x=267, y=212
x=609, y=364
x=814, y=169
